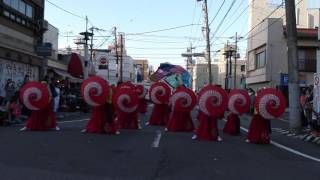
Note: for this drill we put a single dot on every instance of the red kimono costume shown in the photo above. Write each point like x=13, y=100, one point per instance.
x=180, y=122
x=259, y=130
x=208, y=127
x=160, y=115
x=143, y=105
x=232, y=125
x=101, y=121
x=127, y=120
x=42, y=120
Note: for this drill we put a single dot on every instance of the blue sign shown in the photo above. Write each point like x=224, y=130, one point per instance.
x=284, y=79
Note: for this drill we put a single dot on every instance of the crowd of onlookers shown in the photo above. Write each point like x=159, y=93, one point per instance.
x=65, y=96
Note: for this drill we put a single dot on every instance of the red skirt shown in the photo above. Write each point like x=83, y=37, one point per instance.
x=99, y=122
x=259, y=130
x=208, y=127
x=232, y=125
x=160, y=115
x=180, y=122
x=143, y=105
x=127, y=120
x=42, y=120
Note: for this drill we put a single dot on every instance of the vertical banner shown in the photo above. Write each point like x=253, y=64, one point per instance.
x=316, y=92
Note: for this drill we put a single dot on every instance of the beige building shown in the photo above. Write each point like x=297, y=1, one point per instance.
x=224, y=66
x=21, y=29
x=267, y=64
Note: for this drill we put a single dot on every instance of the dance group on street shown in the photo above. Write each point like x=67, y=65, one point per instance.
x=119, y=107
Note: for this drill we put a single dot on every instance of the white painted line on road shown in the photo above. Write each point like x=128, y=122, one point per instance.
x=289, y=149
x=156, y=141
x=283, y=120
x=71, y=121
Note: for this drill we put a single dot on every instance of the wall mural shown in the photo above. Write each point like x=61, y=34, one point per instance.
x=16, y=72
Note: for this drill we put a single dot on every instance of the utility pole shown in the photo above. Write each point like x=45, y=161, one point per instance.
x=91, y=45
x=226, y=53
x=294, y=91
x=116, y=46
x=316, y=88
x=121, y=59
x=207, y=31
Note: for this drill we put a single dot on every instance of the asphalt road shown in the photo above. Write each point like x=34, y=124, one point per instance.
x=148, y=154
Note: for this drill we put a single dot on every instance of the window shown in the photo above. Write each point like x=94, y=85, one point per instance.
x=307, y=59
x=261, y=59
x=29, y=11
x=242, y=68
x=6, y=13
x=22, y=7
x=7, y=2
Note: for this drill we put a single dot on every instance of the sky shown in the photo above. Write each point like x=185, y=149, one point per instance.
x=132, y=17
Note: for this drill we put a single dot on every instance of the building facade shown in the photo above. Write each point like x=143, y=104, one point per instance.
x=21, y=29
x=267, y=64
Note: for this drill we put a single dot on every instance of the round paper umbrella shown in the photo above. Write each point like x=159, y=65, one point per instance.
x=126, y=85
x=95, y=91
x=213, y=100
x=159, y=93
x=141, y=91
x=239, y=101
x=34, y=95
x=126, y=100
x=270, y=103
x=183, y=99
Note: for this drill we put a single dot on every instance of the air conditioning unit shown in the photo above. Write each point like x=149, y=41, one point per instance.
x=43, y=25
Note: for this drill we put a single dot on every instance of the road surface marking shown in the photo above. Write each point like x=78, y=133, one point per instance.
x=289, y=149
x=283, y=120
x=285, y=147
x=156, y=141
x=71, y=121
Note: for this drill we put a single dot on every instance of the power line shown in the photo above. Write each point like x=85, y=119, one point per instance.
x=161, y=30
x=69, y=12
x=222, y=20
x=217, y=13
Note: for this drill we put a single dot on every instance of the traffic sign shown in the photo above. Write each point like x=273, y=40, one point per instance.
x=317, y=79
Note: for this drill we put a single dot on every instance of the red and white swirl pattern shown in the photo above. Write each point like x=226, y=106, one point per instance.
x=213, y=100
x=270, y=103
x=160, y=93
x=183, y=100
x=239, y=101
x=126, y=100
x=95, y=91
x=34, y=95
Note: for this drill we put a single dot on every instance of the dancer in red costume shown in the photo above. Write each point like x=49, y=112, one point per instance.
x=95, y=92
x=182, y=102
x=126, y=102
x=269, y=104
x=239, y=103
x=36, y=97
x=212, y=104
x=159, y=94
x=142, y=101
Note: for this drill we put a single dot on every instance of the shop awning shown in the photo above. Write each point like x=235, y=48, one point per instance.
x=75, y=68
x=65, y=74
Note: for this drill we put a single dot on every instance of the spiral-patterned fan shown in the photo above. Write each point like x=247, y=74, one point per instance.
x=141, y=91
x=239, y=101
x=270, y=103
x=95, y=91
x=34, y=95
x=126, y=100
x=159, y=93
x=126, y=85
x=183, y=99
x=213, y=100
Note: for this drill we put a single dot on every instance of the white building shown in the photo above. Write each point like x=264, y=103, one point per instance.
x=105, y=64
